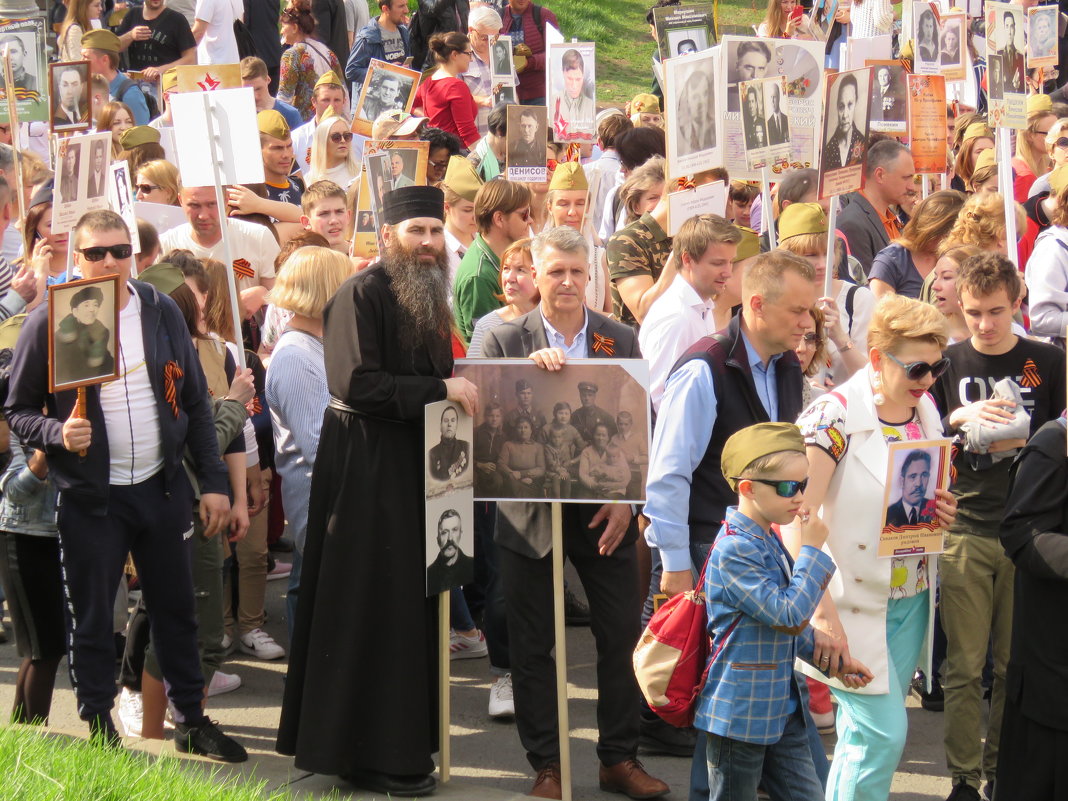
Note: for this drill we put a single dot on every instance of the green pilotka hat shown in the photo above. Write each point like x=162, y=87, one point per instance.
x=163, y=276
x=753, y=442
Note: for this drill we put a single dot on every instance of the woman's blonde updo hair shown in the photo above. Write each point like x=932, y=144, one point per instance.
x=981, y=221
x=898, y=321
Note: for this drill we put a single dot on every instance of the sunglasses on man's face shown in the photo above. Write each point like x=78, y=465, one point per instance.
x=117, y=252
x=914, y=371
x=338, y=138
x=784, y=489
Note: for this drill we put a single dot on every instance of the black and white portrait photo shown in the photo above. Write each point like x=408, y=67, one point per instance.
x=925, y=36
x=22, y=48
x=448, y=461
x=387, y=87
x=690, y=101
x=379, y=178
x=365, y=222
x=504, y=94
x=83, y=327
x=753, y=124
x=683, y=29
x=526, y=143
x=995, y=77
x=747, y=60
x=888, y=105
x=99, y=158
x=1042, y=36
x=70, y=95
x=501, y=66
x=571, y=98
x=581, y=433
x=1007, y=39
x=68, y=182
x=684, y=41
x=950, y=45
x=775, y=109
x=450, y=545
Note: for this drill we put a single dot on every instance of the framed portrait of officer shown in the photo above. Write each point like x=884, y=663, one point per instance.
x=387, y=87
x=526, y=144
x=83, y=330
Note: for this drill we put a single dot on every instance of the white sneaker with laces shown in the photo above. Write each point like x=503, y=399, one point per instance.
x=501, y=704
x=259, y=644
x=228, y=644
x=223, y=683
x=464, y=647
x=131, y=712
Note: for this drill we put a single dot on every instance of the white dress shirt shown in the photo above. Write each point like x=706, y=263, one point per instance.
x=676, y=320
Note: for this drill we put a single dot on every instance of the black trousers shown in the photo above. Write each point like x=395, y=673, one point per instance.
x=152, y=524
x=1031, y=758
x=611, y=584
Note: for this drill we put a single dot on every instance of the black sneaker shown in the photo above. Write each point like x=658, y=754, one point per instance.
x=207, y=740
x=576, y=613
x=934, y=701
x=962, y=791
x=102, y=731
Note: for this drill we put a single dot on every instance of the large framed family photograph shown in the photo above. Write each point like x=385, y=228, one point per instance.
x=577, y=434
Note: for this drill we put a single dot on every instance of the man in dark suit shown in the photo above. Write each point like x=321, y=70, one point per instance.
x=887, y=105
x=452, y=567
x=913, y=508
x=778, y=124
x=599, y=542
x=846, y=146
x=69, y=89
x=868, y=222
x=450, y=458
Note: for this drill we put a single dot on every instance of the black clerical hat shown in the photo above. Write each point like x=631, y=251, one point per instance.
x=409, y=202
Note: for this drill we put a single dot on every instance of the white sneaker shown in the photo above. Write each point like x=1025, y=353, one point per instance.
x=223, y=683
x=131, y=712
x=501, y=704
x=259, y=644
x=825, y=722
x=228, y=644
x=281, y=570
x=464, y=647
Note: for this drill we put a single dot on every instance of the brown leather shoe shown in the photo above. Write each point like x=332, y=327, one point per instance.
x=547, y=785
x=630, y=778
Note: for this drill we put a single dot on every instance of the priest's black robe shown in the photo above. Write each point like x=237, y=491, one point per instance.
x=361, y=692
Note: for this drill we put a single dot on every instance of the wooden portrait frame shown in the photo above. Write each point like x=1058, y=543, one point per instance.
x=55, y=69
x=59, y=308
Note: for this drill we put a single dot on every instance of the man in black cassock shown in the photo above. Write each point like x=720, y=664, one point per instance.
x=361, y=693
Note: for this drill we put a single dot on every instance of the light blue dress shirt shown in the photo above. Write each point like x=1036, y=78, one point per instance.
x=681, y=436
x=577, y=349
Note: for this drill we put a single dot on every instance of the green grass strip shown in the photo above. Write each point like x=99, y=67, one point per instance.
x=40, y=767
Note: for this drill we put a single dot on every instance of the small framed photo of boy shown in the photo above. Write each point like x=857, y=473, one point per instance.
x=911, y=526
x=83, y=333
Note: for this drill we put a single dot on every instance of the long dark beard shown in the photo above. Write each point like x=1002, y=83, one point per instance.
x=422, y=293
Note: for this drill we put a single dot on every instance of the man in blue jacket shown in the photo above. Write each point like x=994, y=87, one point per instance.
x=385, y=39
x=124, y=489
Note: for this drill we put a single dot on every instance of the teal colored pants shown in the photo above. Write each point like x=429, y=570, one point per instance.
x=872, y=728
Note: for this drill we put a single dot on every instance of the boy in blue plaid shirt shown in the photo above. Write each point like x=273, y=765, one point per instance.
x=759, y=603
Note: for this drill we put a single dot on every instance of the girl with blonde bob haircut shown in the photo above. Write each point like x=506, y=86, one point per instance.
x=308, y=280
x=330, y=160
x=163, y=177
x=982, y=223
x=875, y=617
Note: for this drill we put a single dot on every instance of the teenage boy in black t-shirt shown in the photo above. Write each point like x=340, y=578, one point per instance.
x=976, y=576
x=156, y=38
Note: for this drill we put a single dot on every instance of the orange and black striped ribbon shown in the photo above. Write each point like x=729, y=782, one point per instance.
x=171, y=373
x=603, y=344
x=243, y=268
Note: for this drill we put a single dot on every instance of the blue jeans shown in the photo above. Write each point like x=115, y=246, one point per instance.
x=784, y=769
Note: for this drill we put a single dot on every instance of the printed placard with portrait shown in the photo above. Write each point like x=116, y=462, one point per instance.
x=1006, y=82
x=682, y=30
x=926, y=46
x=26, y=38
x=572, y=93
x=70, y=96
x=525, y=148
x=911, y=526
x=888, y=108
x=765, y=123
x=1042, y=38
x=845, y=133
x=694, y=138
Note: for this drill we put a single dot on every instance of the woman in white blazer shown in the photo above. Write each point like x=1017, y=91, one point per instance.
x=876, y=611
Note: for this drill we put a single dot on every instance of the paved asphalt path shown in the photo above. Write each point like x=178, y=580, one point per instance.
x=488, y=761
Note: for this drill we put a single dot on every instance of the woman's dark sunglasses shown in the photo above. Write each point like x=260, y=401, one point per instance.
x=784, y=489
x=914, y=371
x=100, y=253
x=338, y=138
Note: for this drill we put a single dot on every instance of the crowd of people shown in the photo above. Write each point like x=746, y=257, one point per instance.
x=141, y=523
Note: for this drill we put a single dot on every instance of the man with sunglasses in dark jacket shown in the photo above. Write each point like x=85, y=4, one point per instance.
x=118, y=465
